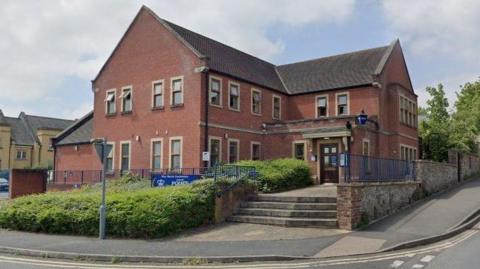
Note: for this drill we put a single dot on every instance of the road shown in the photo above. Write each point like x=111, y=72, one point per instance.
x=460, y=252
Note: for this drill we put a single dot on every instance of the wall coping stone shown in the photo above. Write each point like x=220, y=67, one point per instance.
x=436, y=163
x=368, y=184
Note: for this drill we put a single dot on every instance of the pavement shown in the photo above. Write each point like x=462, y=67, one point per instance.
x=433, y=216
x=3, y=195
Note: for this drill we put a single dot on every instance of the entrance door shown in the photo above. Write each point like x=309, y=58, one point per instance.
x=329, y=163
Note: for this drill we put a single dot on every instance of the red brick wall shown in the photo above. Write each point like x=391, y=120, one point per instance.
x=363, y=98
x=149, y=52
x=26, y=182
x=80, y=157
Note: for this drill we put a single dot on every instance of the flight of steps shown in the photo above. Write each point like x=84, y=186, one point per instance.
x=288, y=211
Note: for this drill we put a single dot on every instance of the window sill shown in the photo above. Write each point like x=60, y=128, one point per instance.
x=217, y=106
x=111, y=115
x=255, y=114
x=233, y=109
x=176, y=106
x=125, y=113
x=158, y=108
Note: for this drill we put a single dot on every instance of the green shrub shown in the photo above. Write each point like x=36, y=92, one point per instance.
x=132, y=212
x=281, y=174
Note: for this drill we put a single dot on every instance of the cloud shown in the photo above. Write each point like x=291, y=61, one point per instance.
x=442, y=39
x=46, y=42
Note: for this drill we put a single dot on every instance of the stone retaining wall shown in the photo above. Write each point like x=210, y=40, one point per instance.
x=360, y=203
x=435, y=176
x=231, y=199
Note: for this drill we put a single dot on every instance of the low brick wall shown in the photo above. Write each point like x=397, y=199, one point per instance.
x=361, y=203
x=226, y=204
x=26, y=182
x=435, y=176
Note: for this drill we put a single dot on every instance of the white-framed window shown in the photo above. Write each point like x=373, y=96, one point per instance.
x=176, y=93
x=233, y=150
x=176, y=149
x=408, y=111
x=126, y=97
x=125, y=155
x=276, y=107
x=255, y=150
x=215, y=149
x=234, y=96
x=256, y=99
x=21, y=154
x=110, y=160
x=156, y=159
x=215, y=91
x=299, y=150
x=158, y=94
x=408, y=153
x=321, y=106
x=342, y=104
x=110, y=102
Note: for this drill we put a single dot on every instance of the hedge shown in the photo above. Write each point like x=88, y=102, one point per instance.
x=281, y=174
x=133, y=210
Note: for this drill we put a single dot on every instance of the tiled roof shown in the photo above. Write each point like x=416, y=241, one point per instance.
x=19, y=132
x=227, y=60
x=37, y=122
x=24, y=128
x=334, y=72
x=78, y=133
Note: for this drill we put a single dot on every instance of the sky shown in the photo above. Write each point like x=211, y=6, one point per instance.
x=52, y=49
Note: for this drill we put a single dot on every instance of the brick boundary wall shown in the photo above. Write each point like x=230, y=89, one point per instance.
x=27, y=182
x=361, y=203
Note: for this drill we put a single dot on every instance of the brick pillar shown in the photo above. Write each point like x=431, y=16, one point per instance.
x=26, y=181
x=349, y=200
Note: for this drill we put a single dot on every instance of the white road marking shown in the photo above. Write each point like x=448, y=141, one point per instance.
x=272, y=265
x=396, y=264
x=427, y=258
x=418, y=266
x=411, y=255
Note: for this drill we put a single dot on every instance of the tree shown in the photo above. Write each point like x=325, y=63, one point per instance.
x=435, y=128
x=466, y=119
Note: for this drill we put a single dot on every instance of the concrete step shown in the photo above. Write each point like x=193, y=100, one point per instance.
x=293, y=199
x=286, y=222
x=290, y=206
x=321, y=214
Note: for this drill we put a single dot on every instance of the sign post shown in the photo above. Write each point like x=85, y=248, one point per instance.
x=103, y=150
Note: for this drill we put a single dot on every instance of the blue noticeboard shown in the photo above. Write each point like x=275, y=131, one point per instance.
x=162, y=180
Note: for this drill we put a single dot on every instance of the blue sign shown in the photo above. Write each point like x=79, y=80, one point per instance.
x=162, y=180
x=362, y=119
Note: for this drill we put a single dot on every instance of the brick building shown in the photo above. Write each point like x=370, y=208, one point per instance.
x=166, y=94
x=25, y=141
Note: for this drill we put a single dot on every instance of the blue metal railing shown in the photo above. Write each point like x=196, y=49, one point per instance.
x=361, y=168
x=228, y=172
